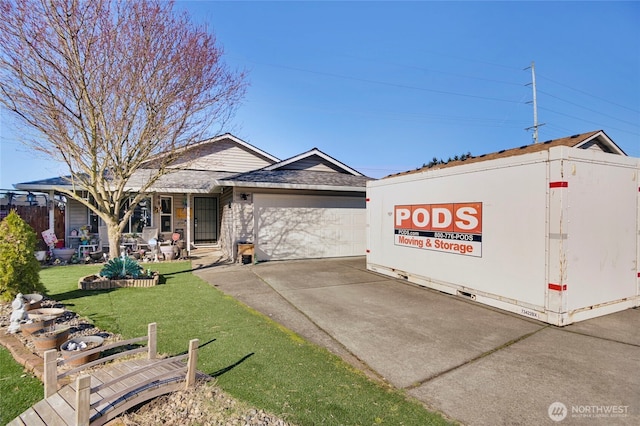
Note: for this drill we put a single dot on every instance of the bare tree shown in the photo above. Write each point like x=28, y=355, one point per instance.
x=109, y=85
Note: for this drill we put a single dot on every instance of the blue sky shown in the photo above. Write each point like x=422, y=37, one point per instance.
x=386, y=86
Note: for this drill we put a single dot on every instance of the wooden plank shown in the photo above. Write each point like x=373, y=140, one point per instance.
x=142, y=370
x=50, y=373
x=31, y=418
x=17, y=421
x=192, y=363
x=46, y=411
x=138, y=385
x=152, y=341
x=62, y=408
x=102, y=360
x=83, y=385
x=69, y=395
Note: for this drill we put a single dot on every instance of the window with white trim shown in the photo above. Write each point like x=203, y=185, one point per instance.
x=140, y=218
x=166, y=214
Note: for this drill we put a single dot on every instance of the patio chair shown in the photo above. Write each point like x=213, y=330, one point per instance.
x=148, y=233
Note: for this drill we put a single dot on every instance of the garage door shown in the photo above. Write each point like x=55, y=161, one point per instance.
x=307, y=227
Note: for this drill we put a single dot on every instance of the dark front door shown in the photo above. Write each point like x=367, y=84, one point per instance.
x=205, y=220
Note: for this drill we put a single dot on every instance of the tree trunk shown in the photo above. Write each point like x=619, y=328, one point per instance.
x=113, y=229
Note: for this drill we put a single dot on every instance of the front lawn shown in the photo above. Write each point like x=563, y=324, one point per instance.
x=18, y=390
x=253, y=359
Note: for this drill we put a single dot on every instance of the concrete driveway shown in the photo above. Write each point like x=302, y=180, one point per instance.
x=474, y=364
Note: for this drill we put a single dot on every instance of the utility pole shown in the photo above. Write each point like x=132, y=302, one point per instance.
x=535, y=103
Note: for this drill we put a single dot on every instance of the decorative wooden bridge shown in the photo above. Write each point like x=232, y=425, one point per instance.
x=108, y=391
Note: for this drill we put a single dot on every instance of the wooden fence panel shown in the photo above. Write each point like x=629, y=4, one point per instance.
x=38, y=218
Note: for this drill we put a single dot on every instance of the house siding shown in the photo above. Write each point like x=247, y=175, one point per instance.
x=313, y=163
x=225, y=156
x=226, y=237
x=77, y=216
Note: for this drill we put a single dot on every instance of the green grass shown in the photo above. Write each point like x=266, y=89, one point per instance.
x=18, y=390
x=253, y=358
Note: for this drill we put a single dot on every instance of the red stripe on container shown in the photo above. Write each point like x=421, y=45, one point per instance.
x=559, y=184
x=557, y=287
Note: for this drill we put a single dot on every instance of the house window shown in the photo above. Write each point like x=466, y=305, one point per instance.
x=140, y=218
x=92, y=217
x=93, y=222
x=166, y=214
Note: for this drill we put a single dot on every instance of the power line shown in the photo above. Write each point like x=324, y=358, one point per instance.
x=589, y=94
x=589, y=109
x=591, y=122
x=384, y=83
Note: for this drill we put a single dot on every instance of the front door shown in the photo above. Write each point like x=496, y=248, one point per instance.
x=205, y=220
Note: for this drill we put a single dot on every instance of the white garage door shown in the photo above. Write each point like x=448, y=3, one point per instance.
x=306, y=226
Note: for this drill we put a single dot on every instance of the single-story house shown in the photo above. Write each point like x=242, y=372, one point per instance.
x=225, y=191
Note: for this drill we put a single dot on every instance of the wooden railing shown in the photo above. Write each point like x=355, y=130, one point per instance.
x=83, y=382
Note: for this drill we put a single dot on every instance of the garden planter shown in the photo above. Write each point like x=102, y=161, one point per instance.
x=50, y=337
x=41, y=255
x=29, y=328
x=94, y=282
x=32, y=301
x=73, y=347
x=167, y=252
x=64, y=253
x=96, y=255
x=35, y=314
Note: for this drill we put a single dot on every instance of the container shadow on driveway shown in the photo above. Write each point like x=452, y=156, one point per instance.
x=475, y=364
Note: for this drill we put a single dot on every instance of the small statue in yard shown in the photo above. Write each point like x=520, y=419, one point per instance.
x=18, y=314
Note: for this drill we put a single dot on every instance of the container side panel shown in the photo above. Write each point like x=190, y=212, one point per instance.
x=602, y=229
x=508, y=253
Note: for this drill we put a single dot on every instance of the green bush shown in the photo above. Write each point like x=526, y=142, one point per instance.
x=19, y=268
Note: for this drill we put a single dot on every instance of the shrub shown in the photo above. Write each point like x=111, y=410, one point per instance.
x=19, y=268
x=113, y=269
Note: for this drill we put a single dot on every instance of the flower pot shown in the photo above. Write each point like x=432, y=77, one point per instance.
x=167, y=252
x=73, y=347
x=32, y=301
x=41, y=255
x=50, y=337
x=28, y=328
x=64, y=253
x=96, y=255
x=35, y=314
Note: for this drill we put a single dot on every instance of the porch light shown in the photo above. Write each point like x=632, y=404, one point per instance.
x=31, y=199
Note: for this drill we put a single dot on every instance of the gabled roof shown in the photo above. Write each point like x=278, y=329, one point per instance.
x=298, y=179
x=588, y=140
x=240, y=142
x=202, y=145
x=306, y=160
x=311, y=170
